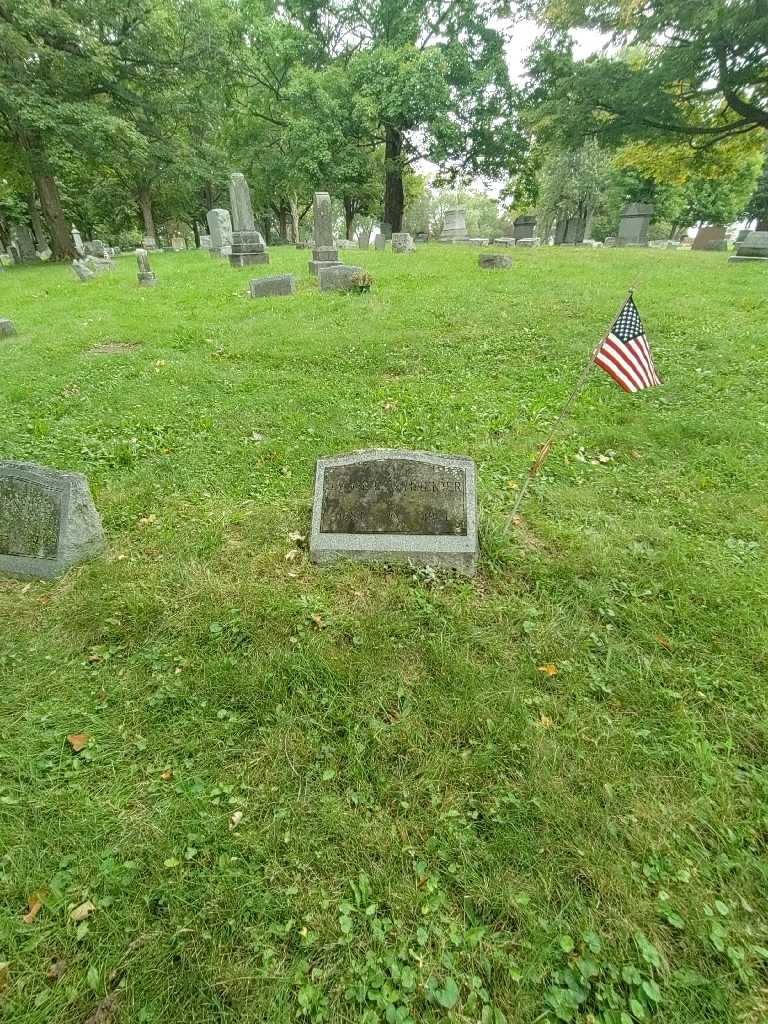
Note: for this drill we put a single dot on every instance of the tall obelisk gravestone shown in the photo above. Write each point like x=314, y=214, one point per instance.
x=247, y=244
x=324, y=253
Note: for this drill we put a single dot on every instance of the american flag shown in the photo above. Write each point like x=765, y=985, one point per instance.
x=624, y=352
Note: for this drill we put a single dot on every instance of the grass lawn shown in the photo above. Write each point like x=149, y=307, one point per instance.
x=434, y=828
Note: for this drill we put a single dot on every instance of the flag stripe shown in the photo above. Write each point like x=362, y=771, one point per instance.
x=619, y=354
x=639, y=347
x=605, y=360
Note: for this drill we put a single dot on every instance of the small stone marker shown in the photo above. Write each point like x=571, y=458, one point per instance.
x=396, y=506
x=220, y=227
x=507, y=241
x=82, y=271
x=177, y=243
x=363, y=241
x=380, y=243
x=527, y=243
x=98, y=265
x=205, y=241
x=278, y=284
x=494, y=261
x=7, y=327
x=338, y=277
x=145, y=275
x=48, y=521
x=402, y=242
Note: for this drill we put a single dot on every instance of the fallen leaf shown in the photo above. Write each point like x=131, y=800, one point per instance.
x=549, y=669
x=35, y=906
x=56, y=969
x=82, y=911
x=318, y=620
x=545, y=722
x=235, y=820
x=167, y=775
x=663, y=641
x=78, y=741
x=105, y=1010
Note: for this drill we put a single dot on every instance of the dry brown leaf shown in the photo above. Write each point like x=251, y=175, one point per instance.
x=56, y=969
x=167, y=775
x=318, y=620
x=78, y=741
x=235, y=820
x=82, y=911
x=35, y=906
x=105, y=1010
x=549, y=669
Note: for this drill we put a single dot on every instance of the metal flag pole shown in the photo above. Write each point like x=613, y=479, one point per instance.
x=546, y=447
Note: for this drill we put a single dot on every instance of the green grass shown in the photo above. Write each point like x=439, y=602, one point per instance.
x=429, y=822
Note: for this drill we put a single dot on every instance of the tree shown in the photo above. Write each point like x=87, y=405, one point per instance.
x=693, y=70
x=573, y=186
x=757, y=205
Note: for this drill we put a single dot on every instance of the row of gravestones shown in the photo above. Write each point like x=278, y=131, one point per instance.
x=380, y=505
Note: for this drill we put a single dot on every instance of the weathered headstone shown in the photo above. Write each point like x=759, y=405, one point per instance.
x=494, y=261
x=754, y=246
x=205, y=241
x=338, y=277
x=77, y=240
x=402, y=242
x=570, y=230
x=7, y=327
x=97, y=265
x=634, y=223
x=527, y=243
x=711, y=239
x=148, y=242
x=145, y=276
x=386, y=230
x=610, y=242
x=82, y=270
x=177, y=243
x=396, y=506
x=248, y=246
x=380, y=243
x=25, y=244
x=524, y=227
x=324, y=252
x=477, y=241
x=363, y=240
x=421, y=237
x=220, y=227
x=505, y=241
x=278, y=284
x=94, y=247
x=48, y=521
x=454, y=226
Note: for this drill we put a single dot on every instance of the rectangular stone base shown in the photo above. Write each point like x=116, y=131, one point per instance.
x=748, y=259
x=393, y=550
x=248, y=259
x=315, y=266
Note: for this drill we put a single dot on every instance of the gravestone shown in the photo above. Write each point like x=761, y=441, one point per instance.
x=77, y=241
x=380, y=243
x=48, y=521
x=177, y=243
x=7, y=328
x=711, y=239
x=248, y=246
x=421, y=237
x=402, y=242
x=570, y=230
x=494, y=261
x=506, y=242
x=220, y=227
x=524, y=227
x=97, y=265
x=338, y=277
x=145, y=275
x=25, y=244
x=633, y=225
x=363, y=241
x=454, y=227
x=527, y=243
x=324, y=252
x=396, y=506
x=95, y=247
x=754, y=247
x=205, y=241
x=386, y=230
x=148, y=242
x=278, y=284
x=82, y=270
x=610, y=242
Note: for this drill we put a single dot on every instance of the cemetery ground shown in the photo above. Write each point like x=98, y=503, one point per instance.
x=359, y=793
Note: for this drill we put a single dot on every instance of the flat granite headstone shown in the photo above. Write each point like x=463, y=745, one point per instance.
x=753, y=246
x=402, y=242
x=338, y=277
x=82, y=270
x=277, y=284
x=7, y=327
x=388, y=505
x=48, y=521
x=494, y=261
x=380, y=243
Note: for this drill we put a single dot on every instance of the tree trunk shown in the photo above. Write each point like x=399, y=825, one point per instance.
x=394, y=197
x=62, y=246
x=294, y=203
x=145, y=205
x=196, y=232
x=208, y=197
x=41, y=242
x=284, y=222
x=349, y=217
x=762, y=225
